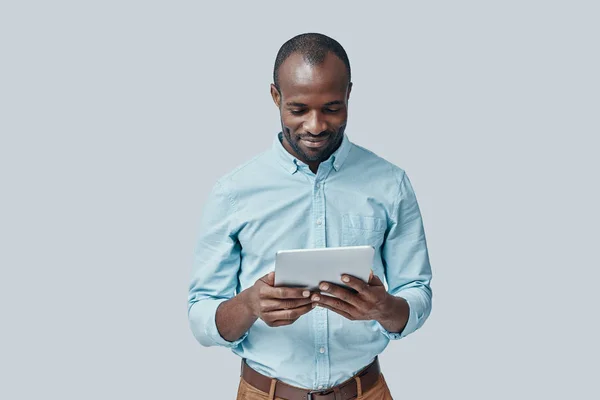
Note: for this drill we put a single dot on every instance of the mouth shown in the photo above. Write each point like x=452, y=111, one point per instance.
x=314, y=144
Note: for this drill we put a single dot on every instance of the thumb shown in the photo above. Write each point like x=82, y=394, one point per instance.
x=269, y=278
x=374, y=280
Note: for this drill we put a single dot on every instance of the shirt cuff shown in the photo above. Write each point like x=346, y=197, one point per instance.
x=202, y=318
x=411, y=325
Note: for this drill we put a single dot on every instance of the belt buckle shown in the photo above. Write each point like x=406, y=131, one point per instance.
x=309, y=395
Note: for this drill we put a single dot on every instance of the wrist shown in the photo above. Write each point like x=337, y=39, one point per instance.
x=395, y=313
x=247, y=301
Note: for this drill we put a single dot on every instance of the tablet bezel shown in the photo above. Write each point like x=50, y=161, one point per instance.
x=306, y=268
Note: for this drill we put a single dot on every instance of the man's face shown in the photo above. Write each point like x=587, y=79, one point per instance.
x=313, y=104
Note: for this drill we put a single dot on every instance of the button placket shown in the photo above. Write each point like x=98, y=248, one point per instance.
x=320, y=318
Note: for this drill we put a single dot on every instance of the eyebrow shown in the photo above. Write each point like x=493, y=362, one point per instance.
x=331, y=103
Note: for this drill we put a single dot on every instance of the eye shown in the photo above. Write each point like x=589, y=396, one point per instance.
x=332, y=110
x=297, y=112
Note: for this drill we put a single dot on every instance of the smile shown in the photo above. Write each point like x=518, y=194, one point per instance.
x=314, y=144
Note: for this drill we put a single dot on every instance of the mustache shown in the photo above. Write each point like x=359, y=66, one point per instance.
x=321, y=136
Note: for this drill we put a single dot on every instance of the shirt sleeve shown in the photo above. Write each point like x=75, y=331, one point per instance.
x=215, y=268
x=406, y=259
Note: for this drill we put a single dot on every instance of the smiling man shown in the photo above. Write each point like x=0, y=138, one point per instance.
x=315, y=107
x=314, y=188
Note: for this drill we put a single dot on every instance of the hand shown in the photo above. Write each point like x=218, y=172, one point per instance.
x=370, y=301
x=278, y=306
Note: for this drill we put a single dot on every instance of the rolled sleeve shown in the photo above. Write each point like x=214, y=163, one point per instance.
x=202, y=316
x=418, y=311
x=215, y=268
x=406, y=260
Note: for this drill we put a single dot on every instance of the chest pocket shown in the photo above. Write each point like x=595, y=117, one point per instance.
x=359, y=230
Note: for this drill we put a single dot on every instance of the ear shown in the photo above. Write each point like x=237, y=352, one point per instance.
x=349, y=90
x=276, y=96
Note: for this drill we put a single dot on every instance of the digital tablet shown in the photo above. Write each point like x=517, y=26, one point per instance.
x=309, y=267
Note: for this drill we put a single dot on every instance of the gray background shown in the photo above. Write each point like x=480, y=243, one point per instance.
x=118, y=116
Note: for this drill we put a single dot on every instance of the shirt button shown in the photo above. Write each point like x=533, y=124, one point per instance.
x=319, y=221
x=322, y=350
x=317, y=185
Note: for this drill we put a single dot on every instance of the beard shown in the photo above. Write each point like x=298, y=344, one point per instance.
x=307, y=154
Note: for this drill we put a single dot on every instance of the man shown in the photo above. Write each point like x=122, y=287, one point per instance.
x=314, y=188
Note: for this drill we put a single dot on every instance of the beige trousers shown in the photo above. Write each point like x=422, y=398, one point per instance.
x=378, y=392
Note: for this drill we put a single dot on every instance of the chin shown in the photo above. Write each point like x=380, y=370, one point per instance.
x=320, y=155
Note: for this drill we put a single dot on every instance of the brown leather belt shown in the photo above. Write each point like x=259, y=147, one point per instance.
x=344, y=391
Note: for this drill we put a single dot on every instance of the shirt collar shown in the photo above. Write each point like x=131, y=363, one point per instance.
x=290, y=163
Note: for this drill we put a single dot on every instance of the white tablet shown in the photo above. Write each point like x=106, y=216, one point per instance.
x=309, y=267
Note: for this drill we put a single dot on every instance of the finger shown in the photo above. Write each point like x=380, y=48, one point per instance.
x=355, y=283
x=282, y=292
x=375, y=281
x=287, y=315
x=269, y=278
x=338, y=303
x=338, y=311
x=276, y=304
x=344, y=294
x=281, y=322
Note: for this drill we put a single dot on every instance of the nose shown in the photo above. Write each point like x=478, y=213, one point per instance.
x=315, y=123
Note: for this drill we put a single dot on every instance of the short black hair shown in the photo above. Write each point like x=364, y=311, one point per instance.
x=313, y=47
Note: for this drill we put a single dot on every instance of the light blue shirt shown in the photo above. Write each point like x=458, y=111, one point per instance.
x=275, y=202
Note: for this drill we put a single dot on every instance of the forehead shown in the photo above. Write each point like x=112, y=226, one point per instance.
x=299, y=78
